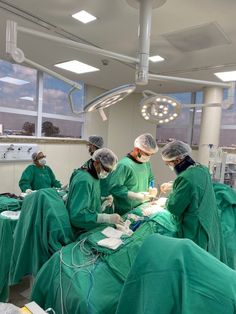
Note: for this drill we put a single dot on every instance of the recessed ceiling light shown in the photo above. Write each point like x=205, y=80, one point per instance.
x=84, y=17
x=12, y=80
x=76, y=67
x=229, y=76
x=156, y=58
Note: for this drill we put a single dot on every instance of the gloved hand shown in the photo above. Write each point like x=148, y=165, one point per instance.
x=28, y=191
x=139, y=196
x=152, y=192
x=109, y=218
x=107, y=202
x=166, y=187
x=64, y=187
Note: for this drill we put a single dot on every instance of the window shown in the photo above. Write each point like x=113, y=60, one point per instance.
x=180, y=127
x=19, y=113
x=17, y=124
x=17, y=86
x=197, y=115
x=55, y=96
x=61, y=128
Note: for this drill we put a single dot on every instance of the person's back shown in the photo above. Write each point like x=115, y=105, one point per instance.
x=192, y=200
x=83, y=200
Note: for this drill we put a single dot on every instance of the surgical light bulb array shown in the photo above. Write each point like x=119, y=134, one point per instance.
x=160, y=109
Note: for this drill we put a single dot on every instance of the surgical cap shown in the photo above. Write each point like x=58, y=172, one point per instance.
x=107, y=158
x=96, y=141
x=175, y=150
x=146, y=143
x=35, y=155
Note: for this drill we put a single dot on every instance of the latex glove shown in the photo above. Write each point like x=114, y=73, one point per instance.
x=139, y=196
x=109, y=218
x=166, y=187
x=152, y=192
x=28, y=191
x=64, y=197
x=64, y=187
x=108, y=201
x=125, y=228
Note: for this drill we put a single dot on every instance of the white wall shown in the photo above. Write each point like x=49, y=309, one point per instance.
x=124, y=124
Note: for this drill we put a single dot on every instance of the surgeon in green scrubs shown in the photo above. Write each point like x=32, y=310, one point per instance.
x=192, y=200
x=84, y=197
x=94, y=142
x=38, y=175
x=132, y=176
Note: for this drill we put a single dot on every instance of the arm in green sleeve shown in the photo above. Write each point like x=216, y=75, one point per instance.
x=151, y=175
x=55, y=182
x=117, y=181
x=181, y=197
x=26, y=179
x=82, y=213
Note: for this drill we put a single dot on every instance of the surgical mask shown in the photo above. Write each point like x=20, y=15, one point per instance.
x=42, y=161
x=103, y=174
x=172, y=168
x=144, y=158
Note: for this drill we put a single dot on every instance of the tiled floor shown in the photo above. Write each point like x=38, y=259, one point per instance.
x=20, y=293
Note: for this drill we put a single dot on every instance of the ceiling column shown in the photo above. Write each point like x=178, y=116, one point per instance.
x=210, y=123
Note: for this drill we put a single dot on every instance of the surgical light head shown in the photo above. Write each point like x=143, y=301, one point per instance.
x=96, y=140
x=175, y=150
x=110, y=98
x=146, y=143
x=107, y=158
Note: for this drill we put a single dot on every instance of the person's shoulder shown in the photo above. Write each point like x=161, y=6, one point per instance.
x=30, y=167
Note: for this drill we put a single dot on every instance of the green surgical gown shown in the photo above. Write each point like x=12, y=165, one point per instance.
x=193, y=204
x=36, y=178
x=175, y=276
x=128, y=176
x=84, y=201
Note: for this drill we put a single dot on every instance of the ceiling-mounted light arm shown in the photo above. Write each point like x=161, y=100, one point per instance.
x=102, y=114
x=52, y=73
x=11, y=42
x=187, y=80
x=145, y=19
x=71, y=103
x=190, y=106
x=18, y=55
x=79, y=46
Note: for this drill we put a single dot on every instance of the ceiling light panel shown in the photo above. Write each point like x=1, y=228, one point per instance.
x=76, y=67
x=229, y=76
x=156, y=58
x=84, y=17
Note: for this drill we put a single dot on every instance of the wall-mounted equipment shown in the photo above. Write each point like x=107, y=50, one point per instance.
x=17, y=152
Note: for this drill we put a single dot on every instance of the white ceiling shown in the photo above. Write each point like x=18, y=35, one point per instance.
x=202, y=35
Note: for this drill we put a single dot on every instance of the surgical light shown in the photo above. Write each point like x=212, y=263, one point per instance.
x=110, y=97
x=159, y=109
